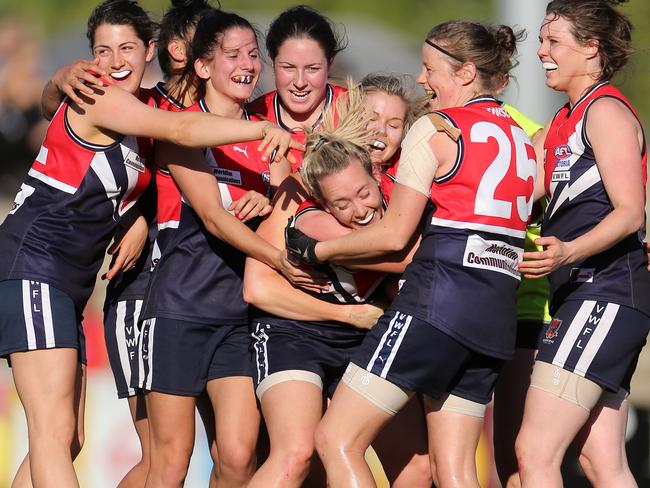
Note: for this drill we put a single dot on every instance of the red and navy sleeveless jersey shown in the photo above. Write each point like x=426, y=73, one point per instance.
x=464, y=277
x=390, y=167
x=132, y=284
x=198, y=277
x=268, y=107
x=348, y=287
x=68, y=207
x=578, y=201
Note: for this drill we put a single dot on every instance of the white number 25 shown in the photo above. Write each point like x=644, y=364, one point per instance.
x=486, y=203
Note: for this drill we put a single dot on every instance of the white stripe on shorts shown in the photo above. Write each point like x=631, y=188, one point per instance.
x=261, y=339
x=572, y=334
x=395, y=348
x=597, y=338
x=150, y=351
x=122, y=350
x=371, y=363
x=27, y=313
x=48, y=323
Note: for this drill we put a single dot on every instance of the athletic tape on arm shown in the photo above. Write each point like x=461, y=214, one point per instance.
x=418, y=164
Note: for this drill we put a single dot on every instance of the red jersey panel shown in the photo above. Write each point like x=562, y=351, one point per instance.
x=268, y=107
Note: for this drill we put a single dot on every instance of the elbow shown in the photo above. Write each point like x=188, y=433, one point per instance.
x=255, y=293
x=396, y=241
x=637, y=221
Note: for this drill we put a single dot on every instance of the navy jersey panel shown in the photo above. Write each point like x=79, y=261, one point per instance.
x=478, y=309
x=578, y=202
x=132, y=284
x=68, y=207
x=197, y=278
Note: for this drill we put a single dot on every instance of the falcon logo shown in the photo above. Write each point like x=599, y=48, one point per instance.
x=552, y=331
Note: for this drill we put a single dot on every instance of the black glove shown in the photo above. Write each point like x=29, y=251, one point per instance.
x=300, y=247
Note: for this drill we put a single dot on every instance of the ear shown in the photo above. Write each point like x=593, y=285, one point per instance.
x=467, y=73
x=151, y=51
x=177, y=50
x=201, y=68
x=592, y=48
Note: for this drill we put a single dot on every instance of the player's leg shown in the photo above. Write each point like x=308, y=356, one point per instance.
x=237, y=423
x=171, y=429
x=362, y=404
x=137, y=475
x=558, y=403
x=47, y=385
x=508, y=411
x=204, y=407
x=402, y=447
x=601, y=444
x=292, y=409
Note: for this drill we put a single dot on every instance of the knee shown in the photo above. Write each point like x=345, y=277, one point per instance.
x=417, y=473
x=171, y=460
x=603, y=467
x=530, y=455
x=325, y=440
x=59, y=431
x=237, y=460
x=296, y=460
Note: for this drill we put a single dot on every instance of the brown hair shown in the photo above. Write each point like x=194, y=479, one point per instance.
x=598, y=20
x=489, y=48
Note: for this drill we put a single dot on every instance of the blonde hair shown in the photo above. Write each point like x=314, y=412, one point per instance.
x=397, y=86
x=342, y=135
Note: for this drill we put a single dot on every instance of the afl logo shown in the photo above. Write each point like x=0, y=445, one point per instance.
x=562, y=152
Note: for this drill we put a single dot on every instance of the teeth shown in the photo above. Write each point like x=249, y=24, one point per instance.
x=549, y=66
x=379, y=145
x=300, y=94
x=243, y=79
x=120, y=75
x=367, y=219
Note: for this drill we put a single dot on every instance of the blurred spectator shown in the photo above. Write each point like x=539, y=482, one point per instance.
x=22, y=127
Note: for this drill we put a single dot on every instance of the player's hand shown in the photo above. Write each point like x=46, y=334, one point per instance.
x=556, y=253
x=128, y=247
x=300, y=247
x=276, y=144
x=308, y=279
x=646, y=247
x=80, y=76
x=364, y=315
x=252, y=204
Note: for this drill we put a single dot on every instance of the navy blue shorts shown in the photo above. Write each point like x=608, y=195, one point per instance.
x=417, y=356
x=34, y=315
x=179, y=357
x=598, y=340
x=321, y=348
x=528, y=332
x=121, y=332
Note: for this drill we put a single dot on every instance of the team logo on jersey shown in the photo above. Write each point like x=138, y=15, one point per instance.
x=582, y=275
x=23, y=194
x=243, y=150
x=552, y=331
x=562, y=155
x=496, y=256
x=135, y=161
x=228, y=176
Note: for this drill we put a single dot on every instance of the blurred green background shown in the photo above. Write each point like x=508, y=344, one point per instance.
x=410, y=18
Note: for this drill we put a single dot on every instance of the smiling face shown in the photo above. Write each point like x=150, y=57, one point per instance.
x=569, y=65
x=388, y=117
x=440, y=80
x=122, y=54
x=301, y=71
x=235, y=65
x=351, y=196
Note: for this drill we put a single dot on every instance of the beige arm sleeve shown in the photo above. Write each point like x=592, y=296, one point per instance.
x=418, y=164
